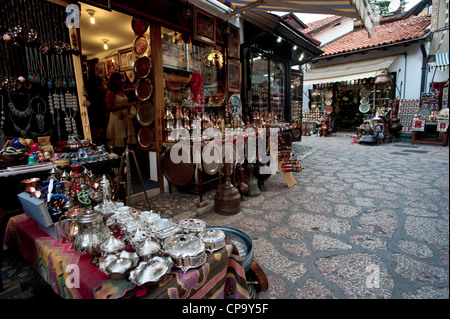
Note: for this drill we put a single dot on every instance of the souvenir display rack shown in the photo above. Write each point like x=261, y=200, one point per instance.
x=37, y=81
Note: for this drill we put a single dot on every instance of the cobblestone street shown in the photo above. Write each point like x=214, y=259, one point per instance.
x=362, y=222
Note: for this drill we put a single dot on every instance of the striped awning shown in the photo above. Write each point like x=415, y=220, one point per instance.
x=442, y=61
x=358, y=9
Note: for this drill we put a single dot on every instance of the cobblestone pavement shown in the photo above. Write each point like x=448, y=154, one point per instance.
x=362, y=222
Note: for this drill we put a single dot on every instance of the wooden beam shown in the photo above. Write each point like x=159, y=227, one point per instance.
x=158, y=95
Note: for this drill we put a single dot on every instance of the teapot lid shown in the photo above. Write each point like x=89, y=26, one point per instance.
x=89, y=216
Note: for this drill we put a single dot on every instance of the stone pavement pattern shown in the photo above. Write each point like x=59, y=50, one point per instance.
x=361, y=222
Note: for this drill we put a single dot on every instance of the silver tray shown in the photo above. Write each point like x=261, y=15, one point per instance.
x=150, y=271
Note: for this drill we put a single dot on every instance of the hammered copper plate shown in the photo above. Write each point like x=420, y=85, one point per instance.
x=143, y=89
x=328, y=109
x=139, y=26
x=142, y=67
x=145, y=113
x=145, y=136
x=177, y=174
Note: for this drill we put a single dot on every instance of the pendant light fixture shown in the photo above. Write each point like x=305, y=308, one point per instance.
x=91, y=14
x=105, y=44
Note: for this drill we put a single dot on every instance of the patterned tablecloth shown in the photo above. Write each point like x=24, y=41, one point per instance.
x=222, y=276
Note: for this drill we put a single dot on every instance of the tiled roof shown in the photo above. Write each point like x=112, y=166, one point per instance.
x=319, y=24
x=390, y=33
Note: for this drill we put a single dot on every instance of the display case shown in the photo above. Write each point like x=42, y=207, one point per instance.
x=267, y=88
x=194, y=83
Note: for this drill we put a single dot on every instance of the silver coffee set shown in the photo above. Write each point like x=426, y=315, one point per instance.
x=157, y=244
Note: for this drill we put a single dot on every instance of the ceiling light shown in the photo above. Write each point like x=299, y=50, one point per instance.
x=105, y=44
x=91, y=13
x=295, y=47
x=279, y=40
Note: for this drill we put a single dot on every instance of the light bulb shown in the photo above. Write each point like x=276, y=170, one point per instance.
x=92, y=20
x=105, y=46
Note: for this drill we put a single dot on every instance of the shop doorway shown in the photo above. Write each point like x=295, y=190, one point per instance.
x=107, y=47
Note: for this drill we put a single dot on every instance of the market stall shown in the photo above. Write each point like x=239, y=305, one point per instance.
x=82, y=276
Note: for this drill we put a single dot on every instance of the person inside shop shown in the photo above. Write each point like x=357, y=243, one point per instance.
x=120, y=130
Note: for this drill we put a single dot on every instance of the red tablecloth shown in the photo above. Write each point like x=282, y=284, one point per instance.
x=222, y=276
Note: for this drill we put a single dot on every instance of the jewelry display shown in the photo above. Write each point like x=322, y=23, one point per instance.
x=2, y=122
x=23, y=132
x=16, y=111
x=39, y=111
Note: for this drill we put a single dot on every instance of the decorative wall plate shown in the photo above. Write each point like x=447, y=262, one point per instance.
x=145, y=113
x=145, y=136
x=139, y=26
x=423, y=112
x=143, y=89
x=142, y=67
x=140, y=45
x=364, y=108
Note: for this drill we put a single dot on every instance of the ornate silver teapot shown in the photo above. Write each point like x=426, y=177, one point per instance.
x=92, y=232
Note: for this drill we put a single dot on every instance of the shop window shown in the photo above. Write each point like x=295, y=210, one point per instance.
x=194, y=82
x=267, y=87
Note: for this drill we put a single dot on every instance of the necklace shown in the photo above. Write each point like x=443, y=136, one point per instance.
x=2, y=134
x=40, y=118
x=17, y=112
x=23, y=132
x=2, y=115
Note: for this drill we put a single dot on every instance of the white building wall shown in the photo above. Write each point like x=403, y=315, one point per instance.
x=328, y=35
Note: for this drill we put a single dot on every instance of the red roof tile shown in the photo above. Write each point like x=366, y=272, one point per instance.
x=319, y=24
x=412, y=28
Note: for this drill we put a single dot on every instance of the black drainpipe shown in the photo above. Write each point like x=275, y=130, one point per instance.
x=424, y=66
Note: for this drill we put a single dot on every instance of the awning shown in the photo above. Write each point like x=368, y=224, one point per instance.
x=358, y=9
x=347, y=71
x=442, y=61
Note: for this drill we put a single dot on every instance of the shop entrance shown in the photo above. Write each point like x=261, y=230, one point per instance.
x=109, y=53
x=348, y=104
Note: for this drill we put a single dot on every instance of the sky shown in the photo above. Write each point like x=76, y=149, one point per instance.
x=307, y=17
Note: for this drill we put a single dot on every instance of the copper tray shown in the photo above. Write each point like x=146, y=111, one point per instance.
x=142, y=67
x=143, y=90
x=145, y=113
x=145, y=136
x=139, y=26
x=328, y=109
x=177, y=174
